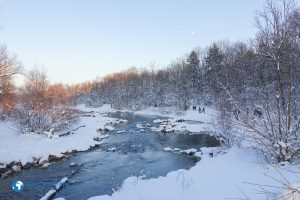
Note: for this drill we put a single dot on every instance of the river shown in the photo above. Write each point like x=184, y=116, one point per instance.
x=137, y=154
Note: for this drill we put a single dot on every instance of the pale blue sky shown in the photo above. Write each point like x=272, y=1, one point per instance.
x=77, y=40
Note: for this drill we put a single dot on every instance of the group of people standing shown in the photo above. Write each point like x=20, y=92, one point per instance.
x=199, y=109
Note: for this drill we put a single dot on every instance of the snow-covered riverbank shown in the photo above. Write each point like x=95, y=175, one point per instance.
x=233, y=175
x=24, y=150
x=183, y=120
x=193, y=115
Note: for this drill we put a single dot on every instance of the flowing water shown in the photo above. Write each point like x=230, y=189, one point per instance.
x=138, y=153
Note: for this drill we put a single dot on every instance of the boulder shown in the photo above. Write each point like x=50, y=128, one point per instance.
x=72, y=164
x=16, y=168
x=74, y=151
x=46, y=165
x=6, y=174
x=98, y=139
x=112, y=149
x=53, y=158
x=191, y=153
x=108, y=128
x=99, y=129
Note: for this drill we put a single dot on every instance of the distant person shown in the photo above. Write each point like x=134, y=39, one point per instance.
x=194, y=107
x=199, y=109
x=203, y=110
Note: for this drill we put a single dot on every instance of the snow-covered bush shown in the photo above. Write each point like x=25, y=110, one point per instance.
x=39, y=110
x=41, y=121
x=275, y=140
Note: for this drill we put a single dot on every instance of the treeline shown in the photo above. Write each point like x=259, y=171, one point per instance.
x=191, y=80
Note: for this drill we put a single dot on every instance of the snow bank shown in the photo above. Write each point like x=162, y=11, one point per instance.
x=177, y=119
x=171, y=125
x=23, y=147
x=226, y=176
x=190, y=152
x=172, y=112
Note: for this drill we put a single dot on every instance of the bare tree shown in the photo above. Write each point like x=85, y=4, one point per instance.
x=35, y=89
x=9, y=66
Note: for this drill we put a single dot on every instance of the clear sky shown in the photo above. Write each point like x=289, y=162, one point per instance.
x=77, y=40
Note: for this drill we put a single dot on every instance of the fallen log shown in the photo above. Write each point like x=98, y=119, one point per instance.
x=59, y=185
